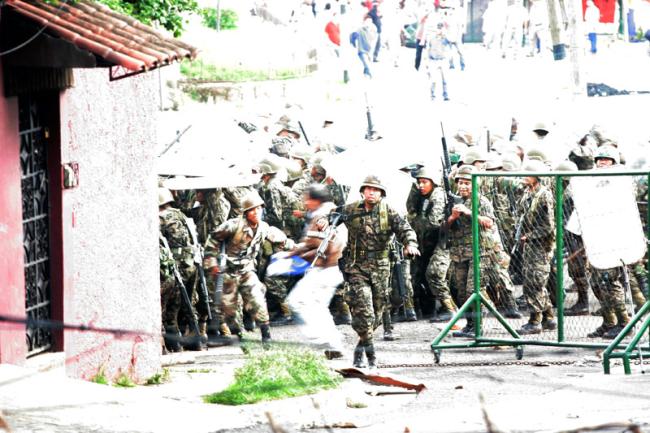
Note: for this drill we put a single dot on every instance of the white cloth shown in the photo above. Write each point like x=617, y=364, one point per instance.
x=310, y=298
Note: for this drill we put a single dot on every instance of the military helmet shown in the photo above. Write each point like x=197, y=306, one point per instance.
x=540, y=126
x=474, y=154
x=566, y=166
x=300, y=153
x=294, y=170
x=494, y=162
x=433, y=175
x=536, y=153
x=510, y=161
x=251, y=200
x=464, y=137
x=281, y=146
x=534, y=166
x=373, y=181
x=164, y=196
x=608, y=152
x=465, y=172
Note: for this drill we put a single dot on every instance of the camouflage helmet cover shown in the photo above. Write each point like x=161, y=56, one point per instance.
x=465, y=172
x=534, y=166
x=294, y=170
x=251, y=200
x=374, y=182
x=433, y=175
x=566, y=166
x=538, y=154
x=511, y=162
x=164, y=196
x=474, y=154
x=494, y=161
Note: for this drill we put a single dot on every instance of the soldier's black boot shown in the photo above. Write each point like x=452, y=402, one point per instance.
x=359, y=351
x=467, y=331
x=249, y=323
x=266, y=333
x=388, y=327
x=533, y=326
x=173, y=339
x=581, y=307
x=409, y=315
x=548, y=321
x=370, y=354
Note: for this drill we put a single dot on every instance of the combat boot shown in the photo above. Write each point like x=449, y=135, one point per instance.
x=173, y=339
x=446, y=311
x=284, y=315
x=358, y=356
x=194, y=342
x=343, y=319
x=623, y=319
x=266, y=333
x=548, y=321
x=581, y=307
x=637, y=298
x=203, y=330
x=224, y=330
x=249, y=323
x=370, y=354
x=533, y=326
x=409, y=315
x=467, y=331
x=390, y=336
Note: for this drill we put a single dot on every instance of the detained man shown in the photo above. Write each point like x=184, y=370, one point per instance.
x=310, y=298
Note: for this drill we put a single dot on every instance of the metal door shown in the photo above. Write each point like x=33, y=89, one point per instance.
x=36, y=231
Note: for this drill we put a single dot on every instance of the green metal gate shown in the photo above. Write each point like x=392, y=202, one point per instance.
x=632, y=342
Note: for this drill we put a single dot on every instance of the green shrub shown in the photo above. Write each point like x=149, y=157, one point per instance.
x=276, y=374
x=228, y=19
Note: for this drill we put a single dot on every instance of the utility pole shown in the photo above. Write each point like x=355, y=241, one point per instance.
x=575, y=34
x=558, y=48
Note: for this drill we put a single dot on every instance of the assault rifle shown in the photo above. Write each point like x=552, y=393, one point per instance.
x=517, y=240
x=179, y=134
x=330, y=232
x=400, y=270
x=198, y=261
x=371, y=134
x=184, y=296
x=218, y=284
x=451, y=198
x=304, y=134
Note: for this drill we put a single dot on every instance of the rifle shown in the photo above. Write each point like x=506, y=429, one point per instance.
x=371, y=134
x=330, y=232
x=489, y=141
x=218, y=283
x=183, y=290
x=399, y=270
x=304, y=134
x=179, y=134
x=198, y=261
x=451, y=198
x=517, y=240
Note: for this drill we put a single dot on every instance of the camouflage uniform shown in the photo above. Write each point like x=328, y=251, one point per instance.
x=170, y=297
x=243, y=243
x=461, y=253
x=279, y=202
x=538, y=227
x=235, y=196
x=174, y=228
x=367, y=265
x=430, y=269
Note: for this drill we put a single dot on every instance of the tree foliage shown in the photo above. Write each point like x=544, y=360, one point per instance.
x=165, y=13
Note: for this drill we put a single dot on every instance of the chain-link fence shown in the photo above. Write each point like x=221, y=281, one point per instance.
x=560, y=256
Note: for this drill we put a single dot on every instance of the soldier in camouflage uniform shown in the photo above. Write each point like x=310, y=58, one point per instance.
x=243, y=237
x=459, y=225
x=235, y=195
x=538, y=240
x=499, y=190
x=279, y=202
x=170, y=297
x=174, y=227
x=427, y=217
x=607, y=283
x=212, y=212
x=371, y=223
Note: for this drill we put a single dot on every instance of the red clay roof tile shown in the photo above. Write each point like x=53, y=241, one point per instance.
x=117, y=38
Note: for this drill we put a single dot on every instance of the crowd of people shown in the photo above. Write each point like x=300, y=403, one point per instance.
x=365, y=263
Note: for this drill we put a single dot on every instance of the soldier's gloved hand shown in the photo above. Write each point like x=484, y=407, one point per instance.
x=411, y=251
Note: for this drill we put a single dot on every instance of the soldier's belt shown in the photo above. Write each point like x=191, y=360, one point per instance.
x=363, y=254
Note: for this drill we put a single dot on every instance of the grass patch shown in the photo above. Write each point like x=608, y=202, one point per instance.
x=276, y=374
x=159, y=378
x=100, y=377
x=204, y=72
x=124, y=381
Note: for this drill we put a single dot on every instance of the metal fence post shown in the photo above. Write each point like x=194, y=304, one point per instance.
x=476, y=255
x=559, y=255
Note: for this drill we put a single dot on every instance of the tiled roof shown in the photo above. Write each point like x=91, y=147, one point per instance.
x=116, y=38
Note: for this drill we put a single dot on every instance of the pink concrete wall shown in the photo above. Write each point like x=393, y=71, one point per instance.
x=110, y=224
x=12, y=279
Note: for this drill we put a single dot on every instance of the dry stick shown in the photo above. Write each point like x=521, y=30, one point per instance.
x=275, y=428
x=632, y=428
x=488, y=422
